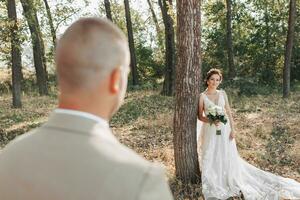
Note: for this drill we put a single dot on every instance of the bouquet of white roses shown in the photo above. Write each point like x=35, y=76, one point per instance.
x=216, y=114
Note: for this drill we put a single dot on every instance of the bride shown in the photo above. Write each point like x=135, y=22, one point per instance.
x=224, y=173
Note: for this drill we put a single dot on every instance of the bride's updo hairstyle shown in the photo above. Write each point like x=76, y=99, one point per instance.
x=211, y=72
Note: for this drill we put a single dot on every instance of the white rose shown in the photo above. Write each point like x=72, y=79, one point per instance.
x=211, y=110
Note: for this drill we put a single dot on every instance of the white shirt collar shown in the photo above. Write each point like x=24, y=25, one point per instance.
x=83, y=114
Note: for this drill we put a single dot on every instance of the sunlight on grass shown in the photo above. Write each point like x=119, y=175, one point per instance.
x=144, y=123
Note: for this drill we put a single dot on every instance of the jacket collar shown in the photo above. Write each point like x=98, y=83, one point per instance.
x=68, y=122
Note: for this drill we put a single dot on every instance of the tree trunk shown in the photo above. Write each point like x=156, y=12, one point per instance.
x=107, y=9
x=188, y=73
x=267, y=36
x=38, y=46
x=168, y=85
x=159, y=34
x=288, y=49
x=15, y=54
x=131, y=44
x=229, y=40
x=53, y=32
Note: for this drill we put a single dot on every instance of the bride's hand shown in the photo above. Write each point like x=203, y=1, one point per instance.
x=232, y=135
x=206, y=120
x=217, y=122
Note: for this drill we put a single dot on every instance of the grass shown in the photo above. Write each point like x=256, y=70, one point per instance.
x=268, y=133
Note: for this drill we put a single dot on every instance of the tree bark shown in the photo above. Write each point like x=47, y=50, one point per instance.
x=15, y=54
x=267, y=36
x=229, y=40
x=131, y=44
x=53, y=32
x=38, y=46
x=169, y=80
x=158, y=30
x=288, y=49
x=107, y=9
x=188, y=73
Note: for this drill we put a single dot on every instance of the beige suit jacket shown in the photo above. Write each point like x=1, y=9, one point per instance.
x=72, y=157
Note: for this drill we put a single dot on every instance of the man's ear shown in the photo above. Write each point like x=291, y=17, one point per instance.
x=114, y=82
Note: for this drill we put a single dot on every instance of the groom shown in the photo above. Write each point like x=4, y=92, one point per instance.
x=74, y=155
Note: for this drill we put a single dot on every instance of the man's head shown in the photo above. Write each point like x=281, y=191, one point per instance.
x=92, y=60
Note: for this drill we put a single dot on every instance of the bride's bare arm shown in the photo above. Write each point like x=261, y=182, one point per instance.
x=228, y=112
x=201, y=117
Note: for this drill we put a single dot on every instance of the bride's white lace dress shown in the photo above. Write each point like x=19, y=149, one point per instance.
x=225, y=173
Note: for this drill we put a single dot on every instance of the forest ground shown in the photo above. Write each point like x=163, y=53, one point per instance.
x=268, y=132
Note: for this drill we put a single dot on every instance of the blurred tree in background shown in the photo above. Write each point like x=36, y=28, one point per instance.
x=254, y=47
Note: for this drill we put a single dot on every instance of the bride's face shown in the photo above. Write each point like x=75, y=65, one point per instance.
x=214, y=81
